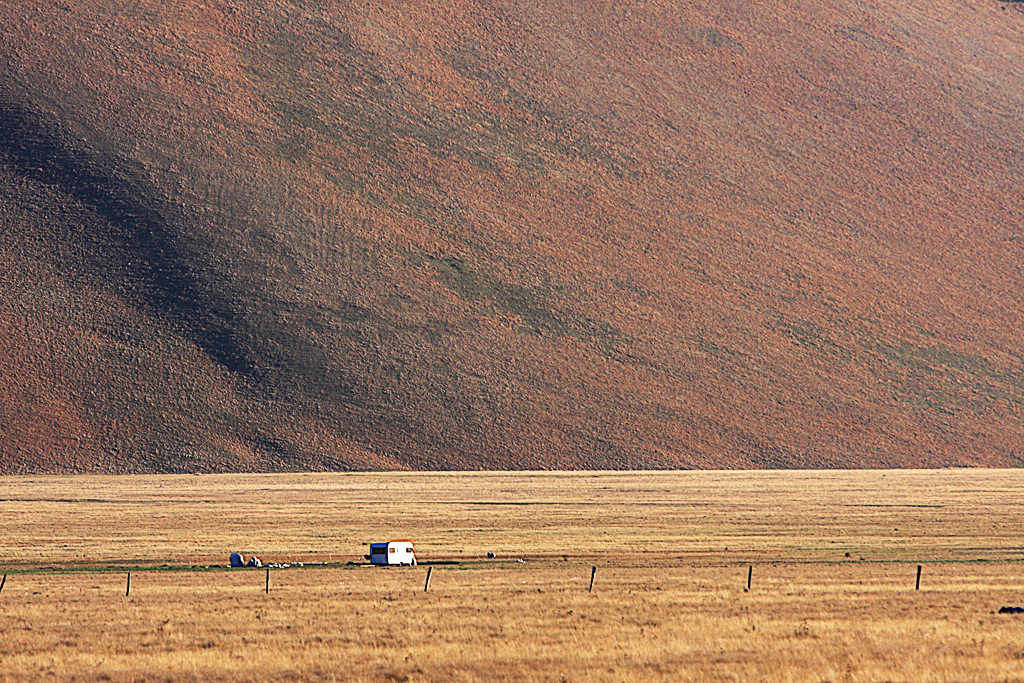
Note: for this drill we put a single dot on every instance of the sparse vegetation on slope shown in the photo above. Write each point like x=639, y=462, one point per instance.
x=261, y=236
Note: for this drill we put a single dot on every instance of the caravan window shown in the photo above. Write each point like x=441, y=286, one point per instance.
x=378, y=549
x=409, y=549
x=391, y=550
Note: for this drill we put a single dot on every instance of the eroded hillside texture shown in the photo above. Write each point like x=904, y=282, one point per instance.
x=261, y=235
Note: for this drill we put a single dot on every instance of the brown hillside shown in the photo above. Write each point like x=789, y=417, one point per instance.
x=257, y=235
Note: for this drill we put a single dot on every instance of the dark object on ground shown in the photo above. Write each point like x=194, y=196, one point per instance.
x=254, y=562
x=1011, y=610
x=237, y=560
x=490, y=556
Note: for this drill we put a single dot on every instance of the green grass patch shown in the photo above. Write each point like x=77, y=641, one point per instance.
x=938, y=378
x=478, y=286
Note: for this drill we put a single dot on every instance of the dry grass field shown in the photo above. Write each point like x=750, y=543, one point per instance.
x=834, y=557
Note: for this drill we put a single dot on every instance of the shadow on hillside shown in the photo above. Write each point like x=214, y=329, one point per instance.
x=141, y=238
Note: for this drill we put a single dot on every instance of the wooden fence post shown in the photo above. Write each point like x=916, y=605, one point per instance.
x=917, y=584
x=750, y=575
x=3, y=582
x=128, y=586
x=426, y=585
x=268, y=580
x=593, y=573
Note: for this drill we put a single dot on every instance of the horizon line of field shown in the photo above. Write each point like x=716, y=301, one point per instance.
x=510, y=503
x=618, y=561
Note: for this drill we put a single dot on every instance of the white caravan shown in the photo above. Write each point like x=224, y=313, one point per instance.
x=394, y=552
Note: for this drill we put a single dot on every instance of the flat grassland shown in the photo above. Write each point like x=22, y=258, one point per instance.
x=834, y=558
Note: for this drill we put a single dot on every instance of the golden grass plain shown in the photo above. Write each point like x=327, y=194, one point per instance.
x=834, y=558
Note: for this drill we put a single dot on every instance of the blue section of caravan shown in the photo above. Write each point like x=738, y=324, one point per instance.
x=394, y=552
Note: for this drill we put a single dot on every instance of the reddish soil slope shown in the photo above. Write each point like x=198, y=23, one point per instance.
x=259, y=235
